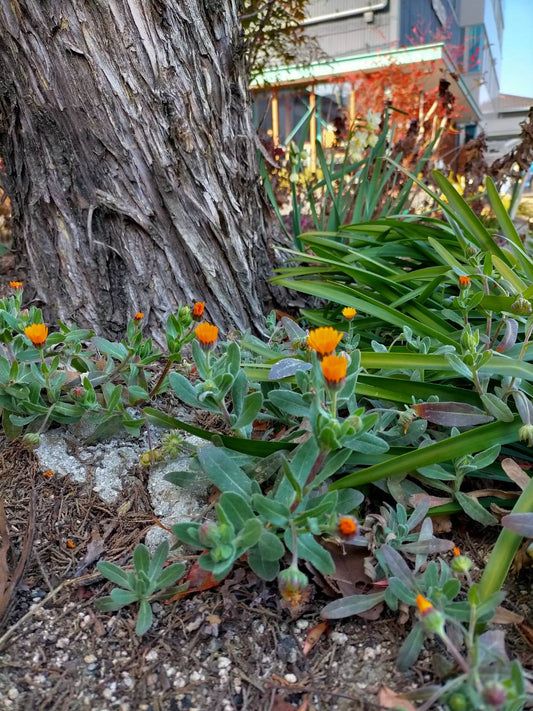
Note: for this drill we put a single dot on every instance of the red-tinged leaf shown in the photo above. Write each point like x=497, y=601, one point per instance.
x=314, y=634
x=452, y=414
x=509, y=339
x=389, y=699
x=199, y=580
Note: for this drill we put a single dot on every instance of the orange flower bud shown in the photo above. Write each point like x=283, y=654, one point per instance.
x=37, y=333
x=198, y=310
x=207, y=334
x=348, y=312
x=334, y=369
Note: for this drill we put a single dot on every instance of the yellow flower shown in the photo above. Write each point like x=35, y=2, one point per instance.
x=334, y=369
x=348, y=312
x=198, y=310
x=37, y=333
x=323, y=340
x=15, y=284
x=424, y=606
x=207, y=334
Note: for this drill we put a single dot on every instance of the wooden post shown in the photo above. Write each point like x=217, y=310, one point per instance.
x=351, y=109
x=275, y=119
x=312, y=129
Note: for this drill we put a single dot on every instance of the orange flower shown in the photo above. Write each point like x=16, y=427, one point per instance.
x=138, y=316
x=323, y=340
x=71, y=544
x=456, y=552
x=348, y=312
x=347, y=526
x=48, y=473
x=334, y=369
x=207, y=334
x=198, y=310
x=464, y=282
x=424, y=606
x=15, y=284
x=37, y=333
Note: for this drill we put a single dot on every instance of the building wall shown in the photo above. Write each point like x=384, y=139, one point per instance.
x=354, y=35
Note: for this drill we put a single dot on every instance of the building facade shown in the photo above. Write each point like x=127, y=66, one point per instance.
x=457, y=39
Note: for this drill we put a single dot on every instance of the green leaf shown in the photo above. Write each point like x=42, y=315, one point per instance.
x=309, y=549
x=474, y=440
x=249, y=534
x=183, y=478
x=289, y=401
x=252, y=405
x=123, y=597
x=253, y=447
x=411, y=648
x=136, y=393
x=401, y=591
x=269, y=547
x=184, y=390
x=144, y=618
x=223, y=472
x=158, y=560
x=474, y=509
x=141, y=558
x=114, y=573
x=265, y=569
x=107, y=604
x=170, y=574
x=272, y=511
x=188, y=533
x=351, y=605
x=115, y=350
x=497, y=407
x=235, y=509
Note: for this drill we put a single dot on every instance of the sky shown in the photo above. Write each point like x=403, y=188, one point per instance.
x=517, y=51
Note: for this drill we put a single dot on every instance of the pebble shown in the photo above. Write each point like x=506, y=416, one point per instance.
x=368, y=654
x=62, y=642
x=302, y=624
x=339, y=637
x=291, y=678
x=224, y=662
x=152, y=656
x=13, y=693
x=89, y=659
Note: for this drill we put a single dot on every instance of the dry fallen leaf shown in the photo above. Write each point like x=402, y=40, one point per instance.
x=515, y=473
x=506, y=617
x=389, y=699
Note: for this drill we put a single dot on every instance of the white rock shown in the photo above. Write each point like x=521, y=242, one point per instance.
x=291, y=678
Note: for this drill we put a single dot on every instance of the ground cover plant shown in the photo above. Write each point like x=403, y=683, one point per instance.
x=340, y=441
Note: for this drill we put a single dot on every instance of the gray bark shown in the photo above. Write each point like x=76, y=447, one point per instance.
x=130, y=156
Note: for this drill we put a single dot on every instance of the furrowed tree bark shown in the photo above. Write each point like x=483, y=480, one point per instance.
x=127, y=136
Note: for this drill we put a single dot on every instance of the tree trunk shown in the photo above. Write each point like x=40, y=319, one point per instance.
x=126, y=131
